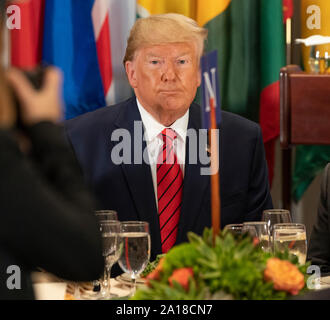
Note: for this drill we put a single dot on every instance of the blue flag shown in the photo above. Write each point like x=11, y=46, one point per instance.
x=210, y=88
x=69, y=43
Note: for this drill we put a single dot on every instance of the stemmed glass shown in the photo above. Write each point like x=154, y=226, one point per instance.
x=135, y=249
x=110, y=231
x=259, y=230
x=291, y=236
x=101, y=216
x=95, y=292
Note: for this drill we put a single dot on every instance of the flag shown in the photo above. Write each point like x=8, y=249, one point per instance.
x=26, y=42
x=249, y=36
x=272, y=52
x=287, y=9
x=122, y=15
x=85, y=39
x=210, y=88
x=148, y=7
x=69, y=43
x=311, y=160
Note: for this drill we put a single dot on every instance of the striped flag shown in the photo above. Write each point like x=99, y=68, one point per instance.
x=85, y=39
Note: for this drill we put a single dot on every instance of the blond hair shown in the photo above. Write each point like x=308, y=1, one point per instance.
x=164, y=28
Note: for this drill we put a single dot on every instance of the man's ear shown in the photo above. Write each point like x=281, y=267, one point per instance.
x=131, y=74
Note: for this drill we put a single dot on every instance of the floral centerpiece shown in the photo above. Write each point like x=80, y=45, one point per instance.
x=228, y=268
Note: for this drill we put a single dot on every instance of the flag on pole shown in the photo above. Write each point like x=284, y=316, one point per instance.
x=211, y=115
x=287, y=9
x=210, y=88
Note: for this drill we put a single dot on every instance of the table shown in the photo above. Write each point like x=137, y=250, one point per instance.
x=48, y=287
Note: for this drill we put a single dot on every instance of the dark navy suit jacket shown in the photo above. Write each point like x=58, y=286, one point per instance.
x=128, y=188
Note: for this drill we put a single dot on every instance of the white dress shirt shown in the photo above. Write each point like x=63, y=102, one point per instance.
x=154, y=140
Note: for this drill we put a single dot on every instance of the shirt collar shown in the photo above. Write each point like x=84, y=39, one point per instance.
x=153, y=128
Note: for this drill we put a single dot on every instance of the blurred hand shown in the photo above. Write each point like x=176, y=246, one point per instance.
x=38, y=105
x=7, y=111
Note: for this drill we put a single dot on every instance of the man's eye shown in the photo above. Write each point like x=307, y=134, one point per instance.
x=182, y=61
x=154, y=61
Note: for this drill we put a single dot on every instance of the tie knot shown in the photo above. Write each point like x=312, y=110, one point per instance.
x=169, y=135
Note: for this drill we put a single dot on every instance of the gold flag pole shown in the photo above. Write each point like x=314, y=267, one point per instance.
x=215, y=176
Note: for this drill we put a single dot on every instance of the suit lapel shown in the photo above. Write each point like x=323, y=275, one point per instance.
x=138, y=176
x=194, y=183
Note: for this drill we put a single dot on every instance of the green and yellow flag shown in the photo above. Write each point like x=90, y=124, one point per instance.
x=310, y=160
x=249, y=37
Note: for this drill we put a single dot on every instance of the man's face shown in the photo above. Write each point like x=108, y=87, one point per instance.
x=165, y=78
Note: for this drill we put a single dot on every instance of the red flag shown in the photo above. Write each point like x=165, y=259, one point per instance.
x=26, y=43
x=287, y=9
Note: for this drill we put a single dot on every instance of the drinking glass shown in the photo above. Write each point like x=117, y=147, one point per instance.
x=274, y=216
x=101, y=216
x=260, y=231
x=110, y=230
x=291, y=236
x=235, y=229
x=106, y=215
x=135, y=249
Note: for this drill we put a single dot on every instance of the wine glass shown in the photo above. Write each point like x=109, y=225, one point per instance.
x=110, y=231
x=260, y=231
x=291, y=236
x=135, y=248
x=106, y=215
x=235, y=228
x=101, y=216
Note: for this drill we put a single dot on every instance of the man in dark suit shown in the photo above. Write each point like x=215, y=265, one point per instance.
x=319, y=246
x=167, y=188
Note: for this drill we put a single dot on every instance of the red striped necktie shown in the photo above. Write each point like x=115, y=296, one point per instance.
x=169, y=190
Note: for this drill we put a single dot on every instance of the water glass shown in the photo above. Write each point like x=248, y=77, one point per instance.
x=274, y=216
x=134, y=248
x=235, y=229
x=291, y=236
x=106, y=215
x=258, y=230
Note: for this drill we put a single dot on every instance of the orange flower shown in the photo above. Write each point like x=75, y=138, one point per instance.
x=181, y=276
x=255, y=241
x=284, y=275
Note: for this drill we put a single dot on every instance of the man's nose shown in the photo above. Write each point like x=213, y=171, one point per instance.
x=169, y=72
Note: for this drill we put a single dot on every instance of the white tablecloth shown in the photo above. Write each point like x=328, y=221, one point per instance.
x=48, y=287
